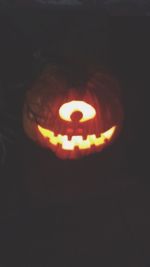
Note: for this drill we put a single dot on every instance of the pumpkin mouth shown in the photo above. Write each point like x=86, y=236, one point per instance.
x=77, y=140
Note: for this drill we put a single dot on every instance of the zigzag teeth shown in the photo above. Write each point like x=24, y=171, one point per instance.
x=69, y=143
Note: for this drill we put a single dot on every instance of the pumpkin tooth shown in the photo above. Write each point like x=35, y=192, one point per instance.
x=69, y=133
x=98, y=135
x=69, y=137
x=84, y=134
x=55, y=134
x=84, y=137
x=106, y=140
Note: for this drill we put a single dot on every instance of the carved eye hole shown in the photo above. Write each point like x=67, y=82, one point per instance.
x=77, y=110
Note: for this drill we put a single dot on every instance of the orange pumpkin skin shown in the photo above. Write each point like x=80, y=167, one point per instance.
x=69, y=135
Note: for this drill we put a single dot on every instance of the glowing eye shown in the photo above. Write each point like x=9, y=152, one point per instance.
x=67, y=109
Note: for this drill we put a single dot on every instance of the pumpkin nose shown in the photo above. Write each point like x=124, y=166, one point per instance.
x=76, y=116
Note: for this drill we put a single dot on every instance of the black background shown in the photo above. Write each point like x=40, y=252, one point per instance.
x=93, y=211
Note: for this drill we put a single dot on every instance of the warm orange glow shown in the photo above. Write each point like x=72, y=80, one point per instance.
x=77, y=141
x=67, y=109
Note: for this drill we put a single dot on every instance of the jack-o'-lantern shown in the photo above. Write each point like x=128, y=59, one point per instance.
x=72, y=116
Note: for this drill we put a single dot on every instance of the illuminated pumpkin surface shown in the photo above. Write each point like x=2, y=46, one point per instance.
x=70, y=122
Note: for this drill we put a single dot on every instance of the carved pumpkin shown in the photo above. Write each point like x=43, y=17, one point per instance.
x=72, y=116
